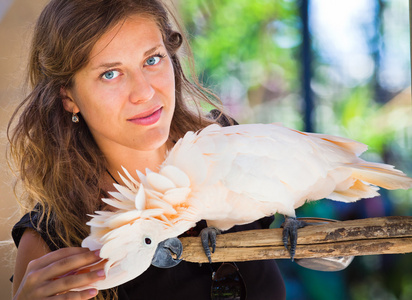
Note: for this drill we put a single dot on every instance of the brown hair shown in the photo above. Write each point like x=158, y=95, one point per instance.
x=59, y=164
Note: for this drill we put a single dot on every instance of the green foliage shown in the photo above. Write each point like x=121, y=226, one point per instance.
x=243, y=38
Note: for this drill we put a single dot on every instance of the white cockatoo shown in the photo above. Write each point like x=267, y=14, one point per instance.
x=228, y=176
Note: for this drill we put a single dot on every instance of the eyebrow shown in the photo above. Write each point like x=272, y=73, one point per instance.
x=107, y=65
x=116, y=64
x=151, y=50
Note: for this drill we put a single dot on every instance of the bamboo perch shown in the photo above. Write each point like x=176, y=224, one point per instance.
x=386, y=235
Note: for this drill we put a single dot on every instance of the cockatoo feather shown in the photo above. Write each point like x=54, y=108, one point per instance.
x=125, y=192
x=129, y=177
x=177, y=176
x=119, y=204
x=159, y=182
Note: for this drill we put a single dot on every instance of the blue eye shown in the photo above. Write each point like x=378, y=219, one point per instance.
x=109, y=75
x=152, y=61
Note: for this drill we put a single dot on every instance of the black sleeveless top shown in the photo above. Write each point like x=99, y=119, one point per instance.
x=186, y=280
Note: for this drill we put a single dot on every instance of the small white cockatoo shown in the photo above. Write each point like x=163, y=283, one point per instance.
x=228, y=176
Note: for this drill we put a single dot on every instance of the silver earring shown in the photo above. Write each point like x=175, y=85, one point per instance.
x=75, y=118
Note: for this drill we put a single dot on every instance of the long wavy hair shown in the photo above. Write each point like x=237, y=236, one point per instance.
x=59, y=165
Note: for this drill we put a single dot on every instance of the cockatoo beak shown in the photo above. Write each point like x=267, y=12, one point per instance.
x=168, y=253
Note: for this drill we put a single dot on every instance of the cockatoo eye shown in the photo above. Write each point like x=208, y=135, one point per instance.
x=147, y=241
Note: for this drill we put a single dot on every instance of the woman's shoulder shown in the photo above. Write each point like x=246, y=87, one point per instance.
x=35, y=221
x=29, y=220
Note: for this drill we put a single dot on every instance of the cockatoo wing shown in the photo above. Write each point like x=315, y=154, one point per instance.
x=248, y=170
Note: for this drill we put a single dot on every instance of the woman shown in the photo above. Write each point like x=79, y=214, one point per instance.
x=108, y=90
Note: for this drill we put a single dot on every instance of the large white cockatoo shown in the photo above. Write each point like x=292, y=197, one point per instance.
x=228, y=176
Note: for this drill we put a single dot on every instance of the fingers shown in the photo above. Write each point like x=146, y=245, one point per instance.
x=57, y=273
x=61, y=262
x=86, y=294
x=56, y=255
x=74, y=281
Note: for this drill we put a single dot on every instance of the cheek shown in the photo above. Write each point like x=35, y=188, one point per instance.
x=94, y=97
x=167, y=82
x=96, y=107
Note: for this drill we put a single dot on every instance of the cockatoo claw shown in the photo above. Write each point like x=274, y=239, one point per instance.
x=168, y=253
x=209, y=235
x=290, y=234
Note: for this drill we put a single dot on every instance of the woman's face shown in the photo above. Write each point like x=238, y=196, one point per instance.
x=126, y=93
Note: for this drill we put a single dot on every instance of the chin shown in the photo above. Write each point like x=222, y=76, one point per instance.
x=154, y=141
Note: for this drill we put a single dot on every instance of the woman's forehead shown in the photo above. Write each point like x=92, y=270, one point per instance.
x=139, y=31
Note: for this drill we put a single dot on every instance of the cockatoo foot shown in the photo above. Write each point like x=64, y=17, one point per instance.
x=290, y=234
x=208, y=238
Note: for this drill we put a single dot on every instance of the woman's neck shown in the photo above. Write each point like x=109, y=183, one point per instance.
x=133, y=160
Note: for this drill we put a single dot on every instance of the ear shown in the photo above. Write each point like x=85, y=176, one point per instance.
x=68, y=102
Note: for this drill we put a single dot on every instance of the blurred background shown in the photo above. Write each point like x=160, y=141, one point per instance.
x=336, y=67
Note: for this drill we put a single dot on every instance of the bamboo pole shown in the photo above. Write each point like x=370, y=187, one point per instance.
x=386, y=235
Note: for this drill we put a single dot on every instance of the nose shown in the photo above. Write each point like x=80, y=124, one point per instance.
x=141, y=88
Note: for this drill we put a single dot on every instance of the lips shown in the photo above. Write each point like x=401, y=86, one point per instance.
x=148, y=117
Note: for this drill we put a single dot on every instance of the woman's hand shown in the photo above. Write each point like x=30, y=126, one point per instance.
x=53, y=275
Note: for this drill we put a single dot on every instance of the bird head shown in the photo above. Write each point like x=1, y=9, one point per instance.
x=130, y=249
x=139, y=230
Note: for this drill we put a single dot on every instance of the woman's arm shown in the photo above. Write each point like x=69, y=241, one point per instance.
x=39, y=272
